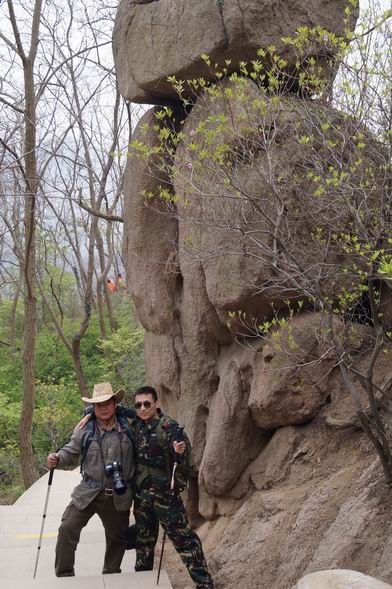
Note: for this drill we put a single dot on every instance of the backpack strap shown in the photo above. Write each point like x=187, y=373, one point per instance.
x=86, y=441
x=126, y=428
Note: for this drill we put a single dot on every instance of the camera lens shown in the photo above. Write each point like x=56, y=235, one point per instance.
x=115, y=469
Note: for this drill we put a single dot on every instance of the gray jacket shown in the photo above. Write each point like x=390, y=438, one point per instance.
x=105, y=447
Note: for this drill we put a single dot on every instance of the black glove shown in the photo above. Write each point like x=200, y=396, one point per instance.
x=123, y=411
x=178, y=436
x=89, y=410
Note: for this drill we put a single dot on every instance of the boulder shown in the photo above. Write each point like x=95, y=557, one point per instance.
x=341, y=579
x=256, y=192
x=150, y=236
x=353, y=523
x=272, y=464
x=232, y=436
x=210, y=223
x=154, y=40
x=261, y=184
x=161, y=361
x=291, y=383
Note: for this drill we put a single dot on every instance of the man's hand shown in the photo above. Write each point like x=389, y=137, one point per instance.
x=84, y=421
x=52, y=460
x=179, y=447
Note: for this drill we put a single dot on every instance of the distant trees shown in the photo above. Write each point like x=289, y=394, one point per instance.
x=27, y=167
x=63, y=127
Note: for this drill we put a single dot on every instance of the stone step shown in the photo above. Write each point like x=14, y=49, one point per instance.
x=145, y=580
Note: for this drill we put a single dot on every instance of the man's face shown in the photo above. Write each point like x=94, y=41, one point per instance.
x=105, y=411
x=146, y=407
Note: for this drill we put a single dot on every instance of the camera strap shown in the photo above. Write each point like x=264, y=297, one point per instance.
x=95, y=484
x=99, y=442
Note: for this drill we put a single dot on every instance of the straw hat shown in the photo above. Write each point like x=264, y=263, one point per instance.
x=103, y=392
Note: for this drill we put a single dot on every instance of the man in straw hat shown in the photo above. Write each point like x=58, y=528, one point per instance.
x=108, y=461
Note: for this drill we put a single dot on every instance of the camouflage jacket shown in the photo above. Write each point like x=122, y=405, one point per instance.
x=155, y=456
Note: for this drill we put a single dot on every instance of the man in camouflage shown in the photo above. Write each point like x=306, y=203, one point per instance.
x=154, y=502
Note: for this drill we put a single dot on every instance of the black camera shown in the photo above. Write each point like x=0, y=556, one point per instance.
x=114, y=469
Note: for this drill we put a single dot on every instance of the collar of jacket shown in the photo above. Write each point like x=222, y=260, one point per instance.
x=153, y=424
x=115, y=426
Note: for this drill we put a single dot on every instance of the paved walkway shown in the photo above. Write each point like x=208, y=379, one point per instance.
x=20, y=526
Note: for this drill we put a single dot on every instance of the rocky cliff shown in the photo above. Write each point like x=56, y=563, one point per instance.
x=288, y=483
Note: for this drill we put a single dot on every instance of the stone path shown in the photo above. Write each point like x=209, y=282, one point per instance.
x=20, y=526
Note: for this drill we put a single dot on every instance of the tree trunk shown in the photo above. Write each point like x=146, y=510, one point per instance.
x=80, y=378
x=29, y=471
x=102, y=280
x=13, y=316
x=88, y=306
x=101, y=312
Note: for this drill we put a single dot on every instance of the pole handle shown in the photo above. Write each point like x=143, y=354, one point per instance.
x=179, y=437
x=51, y=472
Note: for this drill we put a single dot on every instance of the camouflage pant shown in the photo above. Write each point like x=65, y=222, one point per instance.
x=152, y=508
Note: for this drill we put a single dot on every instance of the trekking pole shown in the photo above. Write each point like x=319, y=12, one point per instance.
x=161, y=557
x=51, y=471
x=179, y=438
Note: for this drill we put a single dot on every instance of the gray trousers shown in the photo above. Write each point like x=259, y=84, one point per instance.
x=74, y=520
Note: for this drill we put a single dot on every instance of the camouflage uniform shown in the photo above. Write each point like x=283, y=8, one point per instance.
x=154, y=503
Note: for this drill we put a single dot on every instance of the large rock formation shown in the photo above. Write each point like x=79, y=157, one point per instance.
x=232, y=346
x=156, y=39
x=275, y=153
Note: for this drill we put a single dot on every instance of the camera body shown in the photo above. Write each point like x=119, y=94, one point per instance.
x=114, y=470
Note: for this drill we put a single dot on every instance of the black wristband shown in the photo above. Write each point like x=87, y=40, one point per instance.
x=123, y=411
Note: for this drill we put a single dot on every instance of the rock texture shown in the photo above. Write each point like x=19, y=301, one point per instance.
x=292, y=384
x=328, y=509
x=150, y=244
x=230, y=419
x=154, y=40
